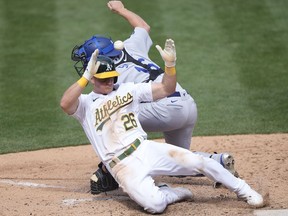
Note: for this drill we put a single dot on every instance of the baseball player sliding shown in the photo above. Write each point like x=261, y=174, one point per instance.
x=174, y=115
x=109, y=117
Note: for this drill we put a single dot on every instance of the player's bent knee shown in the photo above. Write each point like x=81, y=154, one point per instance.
x=156, y=208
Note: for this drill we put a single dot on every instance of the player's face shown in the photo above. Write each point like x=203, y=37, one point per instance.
x=103, y=86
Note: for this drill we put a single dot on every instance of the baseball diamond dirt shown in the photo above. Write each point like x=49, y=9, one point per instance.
x=56, y=181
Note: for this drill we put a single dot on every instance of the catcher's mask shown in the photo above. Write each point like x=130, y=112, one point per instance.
x=82, y=54
x=106, y=68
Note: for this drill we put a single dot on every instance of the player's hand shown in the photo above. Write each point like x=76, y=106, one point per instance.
x=92, y=66
x=169, y=53
x=115, y=6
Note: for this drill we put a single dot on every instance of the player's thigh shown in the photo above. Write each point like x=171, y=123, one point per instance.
x=167, y=159
x=180, y=137
x=163, y=115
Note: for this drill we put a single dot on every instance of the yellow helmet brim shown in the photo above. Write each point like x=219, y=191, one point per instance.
x=105, y=75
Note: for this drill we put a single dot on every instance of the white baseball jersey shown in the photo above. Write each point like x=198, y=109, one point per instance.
x=110, y=121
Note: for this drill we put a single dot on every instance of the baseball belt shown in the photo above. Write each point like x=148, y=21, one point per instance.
x=182, y=94
x=126, y=153
x=175, y=94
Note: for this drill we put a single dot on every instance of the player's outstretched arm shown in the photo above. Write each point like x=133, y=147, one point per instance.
x=168, y=84
x=69, y=101
x=134, y=19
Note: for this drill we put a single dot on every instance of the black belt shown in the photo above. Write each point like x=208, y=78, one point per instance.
x=126, y=153
x=175, y=94
x=178, y=94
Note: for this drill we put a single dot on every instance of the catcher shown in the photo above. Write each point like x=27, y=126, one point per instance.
x=174, y=115
x=109, y=117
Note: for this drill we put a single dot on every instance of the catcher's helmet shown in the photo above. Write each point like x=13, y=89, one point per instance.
x=82, y=54
x=106, y=68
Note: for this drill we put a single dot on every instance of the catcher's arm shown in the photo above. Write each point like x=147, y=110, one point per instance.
x=134, y=19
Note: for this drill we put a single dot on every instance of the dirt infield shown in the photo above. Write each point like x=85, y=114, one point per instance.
x=56, y=181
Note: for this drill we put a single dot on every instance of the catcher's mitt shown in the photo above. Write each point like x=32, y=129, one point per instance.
x=101, y=181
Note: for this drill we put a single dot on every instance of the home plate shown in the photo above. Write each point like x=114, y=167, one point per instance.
x=277, y=212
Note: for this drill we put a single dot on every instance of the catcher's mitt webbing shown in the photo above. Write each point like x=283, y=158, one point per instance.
x=101, y=181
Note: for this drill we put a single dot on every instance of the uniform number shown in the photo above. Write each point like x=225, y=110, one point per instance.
x=148, y=68
x=129, y=121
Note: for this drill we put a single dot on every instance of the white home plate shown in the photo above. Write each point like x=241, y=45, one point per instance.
x=278, y=212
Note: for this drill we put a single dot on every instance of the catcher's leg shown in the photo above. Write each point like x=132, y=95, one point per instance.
x=102, y=181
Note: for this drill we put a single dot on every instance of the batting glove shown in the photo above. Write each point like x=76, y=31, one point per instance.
x=169, y=53
x=92, y=66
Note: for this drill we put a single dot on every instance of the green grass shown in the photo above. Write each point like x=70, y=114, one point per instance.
x=231, y=56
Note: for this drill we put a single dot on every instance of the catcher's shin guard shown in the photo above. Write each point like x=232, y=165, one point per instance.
x=102, y=181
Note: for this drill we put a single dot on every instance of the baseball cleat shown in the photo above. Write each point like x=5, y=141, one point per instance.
x=183, y=193
x=180, y=192
x=253, y=198
x=228, y=162
x=162, y=184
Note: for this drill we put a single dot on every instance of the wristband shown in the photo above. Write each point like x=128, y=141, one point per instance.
x=82, y=82
x=171, y=71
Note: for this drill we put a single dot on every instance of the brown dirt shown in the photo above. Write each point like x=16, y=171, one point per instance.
x=56, y=181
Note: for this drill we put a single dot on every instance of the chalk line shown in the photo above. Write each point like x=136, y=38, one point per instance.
x=28, y=184
x=71, y=202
